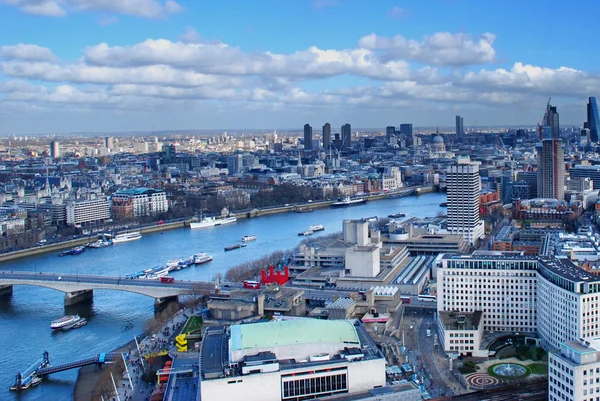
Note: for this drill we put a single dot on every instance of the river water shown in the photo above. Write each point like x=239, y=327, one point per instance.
x=115, y=316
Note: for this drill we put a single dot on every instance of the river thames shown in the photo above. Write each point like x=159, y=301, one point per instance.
x=115, y=316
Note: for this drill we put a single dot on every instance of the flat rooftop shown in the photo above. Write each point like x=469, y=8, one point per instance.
x=460, y=320
x=290, y=332
x=214, y=352
x=568, y=270
x=382, y=391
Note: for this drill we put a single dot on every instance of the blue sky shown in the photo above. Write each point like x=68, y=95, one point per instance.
x=119, y=65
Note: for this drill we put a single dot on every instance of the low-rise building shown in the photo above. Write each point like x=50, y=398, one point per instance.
x=574, y=371
x=138, y=202
x=460, y=333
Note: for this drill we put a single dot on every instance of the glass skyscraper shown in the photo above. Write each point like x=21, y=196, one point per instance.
x=593, y=121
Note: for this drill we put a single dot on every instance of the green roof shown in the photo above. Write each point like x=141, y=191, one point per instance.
x=290, y=332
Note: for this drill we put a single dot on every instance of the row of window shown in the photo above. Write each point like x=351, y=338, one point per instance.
x=315, y=385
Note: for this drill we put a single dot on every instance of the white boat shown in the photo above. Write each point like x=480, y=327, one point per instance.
x=99, y=244
x=247, y=238
x=316, y=227
x=125, y=237
x=64, y=321
x=305, y=233
x=212, y=222
x=347, y=201
x=201, y=258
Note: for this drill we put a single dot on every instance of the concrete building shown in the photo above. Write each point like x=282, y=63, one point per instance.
x=551, y=170
x=289, y=360
x=460, y=128
x=92, y=211
x=362, y=259
x=460, y=333
x=327, y=136
x=346, y=137
x=464, y=187
x=307, y=137
x=136, y=202
x=574, y=371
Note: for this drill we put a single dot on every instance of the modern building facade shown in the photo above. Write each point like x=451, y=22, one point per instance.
x=593, y=121
x=460, y=129
x=592, y=172
x=346, y=136
x=82, y=212
x=552, y=121
x=307, y=137
x=289, y=360
x=464, y=188
x=138, y=202
x=551, y=170
x=327, y=136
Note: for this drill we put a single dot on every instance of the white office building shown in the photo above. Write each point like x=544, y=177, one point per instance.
x=87, y=211
x=574, y=371
x=289, y=360
x=138, y=202
x=464, y=188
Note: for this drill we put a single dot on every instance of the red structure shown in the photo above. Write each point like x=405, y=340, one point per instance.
x=280, y=276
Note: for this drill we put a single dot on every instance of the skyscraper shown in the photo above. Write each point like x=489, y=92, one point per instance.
x=406, y=129
x=551, y=169
x=552, y=121
x=307, y=137
x=593, y=121
x=54, y=149
x=459, y=126
x=346, y=136
x=108, y=142
x=464, y=187
x=327, y=136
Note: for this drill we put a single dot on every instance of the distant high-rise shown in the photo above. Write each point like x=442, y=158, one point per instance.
x=54, y=149
x=307, y=137
x=406, y=129
x=108, y=142
x=464, y=188
x=593, y=121
x=390, y=132
x=552, y=121
x=460, y=130
x=551, y=169
x=326, y=136
x=346, y=136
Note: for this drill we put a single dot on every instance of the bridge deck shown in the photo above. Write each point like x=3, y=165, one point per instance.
x=76, y=364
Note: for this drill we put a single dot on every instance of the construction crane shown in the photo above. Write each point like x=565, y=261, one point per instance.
x=511, y=159
x=544, y=120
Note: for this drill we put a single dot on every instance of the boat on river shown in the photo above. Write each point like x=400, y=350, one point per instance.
x=235, y=246
x=347, y=201
x=316, y=227
x=64, y=321
x=126, y=237
x=305, y=233
x=212, y=222
x=201, y=258
x=75, y=325
x=247, y=238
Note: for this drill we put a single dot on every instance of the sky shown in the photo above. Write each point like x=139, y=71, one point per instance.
x=156, y=65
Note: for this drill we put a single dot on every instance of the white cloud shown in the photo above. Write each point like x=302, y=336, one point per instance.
x=26, y=52
x=59, y=8
x=441, y=48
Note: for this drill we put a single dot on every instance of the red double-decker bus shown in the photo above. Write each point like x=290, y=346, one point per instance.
x=251, y=284
x=167, y=280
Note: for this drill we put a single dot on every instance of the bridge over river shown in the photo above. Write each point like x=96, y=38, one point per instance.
x=78, y=288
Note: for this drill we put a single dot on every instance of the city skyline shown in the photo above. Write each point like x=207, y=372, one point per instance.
x=163, y=65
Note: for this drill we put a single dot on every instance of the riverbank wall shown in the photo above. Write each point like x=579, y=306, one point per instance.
x=59, y=246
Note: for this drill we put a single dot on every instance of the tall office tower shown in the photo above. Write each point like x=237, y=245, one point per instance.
x=406, y=129
x=551, y=169
x=593, y=121
x=464, y=187
x=346, y=136
x=108, y=142
x=460, y=129
x=552, y=121
x=327, y=136
x=54, y=149
x=390, y=132
x=307, y=137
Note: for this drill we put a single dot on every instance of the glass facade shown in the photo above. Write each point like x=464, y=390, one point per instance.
x=593, y=121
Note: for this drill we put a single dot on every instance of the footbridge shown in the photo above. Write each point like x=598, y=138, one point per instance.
x=79, y=287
